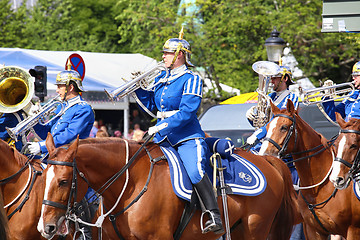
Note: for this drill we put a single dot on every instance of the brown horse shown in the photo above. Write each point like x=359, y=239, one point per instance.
x=3, y=221
x=19, y=179
x=22, y=193
x=346, y=163
x=157, y=211
x=324, y=209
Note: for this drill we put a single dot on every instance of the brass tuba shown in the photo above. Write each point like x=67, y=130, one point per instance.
x=265, y=69
x=16, y=89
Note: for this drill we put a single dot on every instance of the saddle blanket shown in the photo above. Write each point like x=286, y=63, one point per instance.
x=242, y=176
x=356, y=190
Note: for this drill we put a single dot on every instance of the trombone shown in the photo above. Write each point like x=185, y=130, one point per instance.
x=333, y=92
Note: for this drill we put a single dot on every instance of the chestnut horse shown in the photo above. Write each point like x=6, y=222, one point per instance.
x=22, y=193
x=156, y=211
x=346, y=163
x=20, y=180
x=324, y=209
x=3, y=221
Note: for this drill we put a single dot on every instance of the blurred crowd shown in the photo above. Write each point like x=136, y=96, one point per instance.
x=135, y=132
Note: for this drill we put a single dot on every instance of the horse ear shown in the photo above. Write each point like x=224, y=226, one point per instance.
x=290, y=106
x=74, y=146
x=274, y=108
x=339, y=119
x=49, y=142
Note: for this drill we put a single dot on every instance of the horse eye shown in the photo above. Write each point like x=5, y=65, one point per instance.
x=353, y=146
x=63, y=183
x=283, y=128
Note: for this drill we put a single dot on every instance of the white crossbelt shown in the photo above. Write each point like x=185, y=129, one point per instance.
x=166, y=114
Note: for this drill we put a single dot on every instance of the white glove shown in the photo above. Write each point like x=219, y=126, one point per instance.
x=330, y=92
x=34, y=148
x=153, y=130
x=251, y=140
x=251, y=113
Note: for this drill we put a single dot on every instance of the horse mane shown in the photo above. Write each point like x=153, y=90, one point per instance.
x=11, y=151
x=3, y=220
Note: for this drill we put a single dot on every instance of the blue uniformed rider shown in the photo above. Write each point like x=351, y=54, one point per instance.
x=279, y=97
x=350, y=107
x=77, y=117
x=177, y=98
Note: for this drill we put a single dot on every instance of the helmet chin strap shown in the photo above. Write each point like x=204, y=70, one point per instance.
x=176, y=55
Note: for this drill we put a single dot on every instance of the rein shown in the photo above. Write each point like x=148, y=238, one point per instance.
x=355, y=167
x=19, y=207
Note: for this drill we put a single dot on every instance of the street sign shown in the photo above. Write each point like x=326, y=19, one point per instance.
x=77, y=64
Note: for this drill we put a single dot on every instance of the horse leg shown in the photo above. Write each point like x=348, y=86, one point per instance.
x=352, y=233
x=311, y=233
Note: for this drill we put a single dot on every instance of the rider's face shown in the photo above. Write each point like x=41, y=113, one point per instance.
x=357, y=81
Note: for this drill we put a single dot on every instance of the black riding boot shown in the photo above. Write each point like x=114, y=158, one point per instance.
x=208, y=201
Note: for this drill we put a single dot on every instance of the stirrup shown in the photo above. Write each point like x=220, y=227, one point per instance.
x=211, y=227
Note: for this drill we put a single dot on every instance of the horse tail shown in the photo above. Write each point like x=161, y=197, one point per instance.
x=3, y=221
x=286, y=215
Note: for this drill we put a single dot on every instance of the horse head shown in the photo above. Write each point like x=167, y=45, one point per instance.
x=281, y=131
x=60, y=189
x=346, y=163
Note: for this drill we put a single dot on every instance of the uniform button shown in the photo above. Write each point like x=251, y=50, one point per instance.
x=165, y=87
x=162, y=106
x=163, y=93
x=162, y=100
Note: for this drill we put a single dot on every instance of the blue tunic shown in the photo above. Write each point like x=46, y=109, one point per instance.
x=261, y=132
x=348, y=108
x=181, y=90
x=180, y=94
x=10, y=120
x=77, y=119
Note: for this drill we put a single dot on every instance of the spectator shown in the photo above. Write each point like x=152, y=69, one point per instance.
x=138, y=133
x=118, y=134
x=101, y=133
x=94, y=129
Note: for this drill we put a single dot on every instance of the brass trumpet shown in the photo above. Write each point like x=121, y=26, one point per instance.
x=334, y=92
x=144, y=81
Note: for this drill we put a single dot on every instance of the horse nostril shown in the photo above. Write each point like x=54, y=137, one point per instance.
x=339, y=180
x=50, y=229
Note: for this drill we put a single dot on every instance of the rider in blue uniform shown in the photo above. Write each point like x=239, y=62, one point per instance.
x=279, y=97
x=177, y=98
x=350, y=107
x=77, y=116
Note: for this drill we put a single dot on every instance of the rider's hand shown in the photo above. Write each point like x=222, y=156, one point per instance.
x=153, y=130
x=329, y=92
x=251, y=140
x=33, y=148
x=251, y=113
